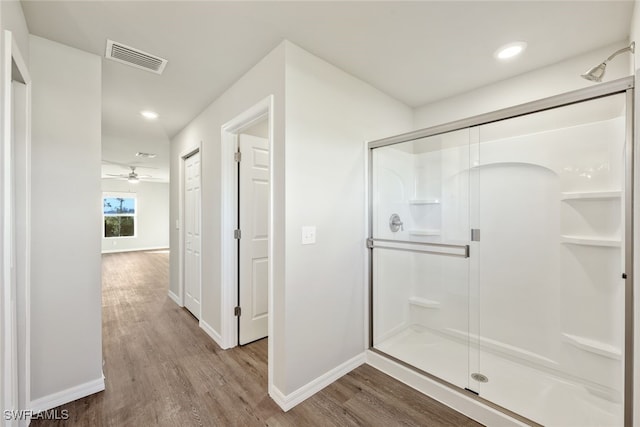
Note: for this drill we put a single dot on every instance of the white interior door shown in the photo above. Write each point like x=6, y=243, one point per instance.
x=192, y=233
x=253, y=259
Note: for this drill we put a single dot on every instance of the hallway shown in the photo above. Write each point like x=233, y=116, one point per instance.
x=162, y=370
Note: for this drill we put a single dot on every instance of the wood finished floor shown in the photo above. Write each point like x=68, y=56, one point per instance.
x=161, y=369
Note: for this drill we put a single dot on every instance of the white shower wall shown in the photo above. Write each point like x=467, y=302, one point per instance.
x=411, y=181
x=543, y=287
x=564, y=293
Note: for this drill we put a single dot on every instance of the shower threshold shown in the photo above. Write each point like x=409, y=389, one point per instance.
x=535, y=393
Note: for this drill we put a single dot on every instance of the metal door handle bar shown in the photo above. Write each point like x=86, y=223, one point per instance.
x=461, y=251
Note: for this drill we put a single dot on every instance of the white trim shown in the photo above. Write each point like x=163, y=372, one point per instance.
x=636, y=253
x=211, y=332
x=16, y=373
x=152, y=248
x=278, y=396
x=459, y=402
x=296, y=397
x=367, y=279
x=69, y=395
x=270, y=328
x=229, y=245
x=175, y=298
x=9, y=333
x=229, y=205
x=181, y=158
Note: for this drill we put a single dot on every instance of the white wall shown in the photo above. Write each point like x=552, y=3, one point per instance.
x=553, y=80
x=264, y=79
x=66, y=222
x=152, y=216
x=12, y=19
x=329, y=116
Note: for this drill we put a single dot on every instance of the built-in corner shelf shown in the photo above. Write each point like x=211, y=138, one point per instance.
x=591, y=195
x=590, y=241
x=593, y=346
x=424, y=201
x=423, y=302
x=425, y=232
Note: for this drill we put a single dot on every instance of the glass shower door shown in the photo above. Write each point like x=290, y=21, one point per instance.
x=420, y=264
x=547, y=294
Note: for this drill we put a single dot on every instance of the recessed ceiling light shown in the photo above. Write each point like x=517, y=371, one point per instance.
x=151, y=115
x=510, y=50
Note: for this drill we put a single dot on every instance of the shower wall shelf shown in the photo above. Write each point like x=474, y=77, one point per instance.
x=423, y=302
x=590, y=241
x=591, y=195
x=593, y=346
x=424, y=201
x=425, y=232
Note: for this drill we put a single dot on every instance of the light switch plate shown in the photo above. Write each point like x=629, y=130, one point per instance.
x=308, y=234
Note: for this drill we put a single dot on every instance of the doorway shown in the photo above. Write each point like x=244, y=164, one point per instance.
x=253, y=209
x=192, y=197
x=247, y=227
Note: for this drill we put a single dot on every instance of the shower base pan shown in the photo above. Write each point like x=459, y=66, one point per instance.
x=534, y=393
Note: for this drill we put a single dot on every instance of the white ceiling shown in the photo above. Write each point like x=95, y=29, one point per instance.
x=417, y=52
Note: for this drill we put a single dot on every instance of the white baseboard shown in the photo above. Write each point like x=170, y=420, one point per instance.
x=175, y=298
x=69, y=395
x=287, y=402
x=470, y=407
x=113, y=251
x=211, y=332
x=277, y=396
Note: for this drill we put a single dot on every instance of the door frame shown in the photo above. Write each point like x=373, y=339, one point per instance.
x=15, y=336
x=229, y=217
x=181, y=194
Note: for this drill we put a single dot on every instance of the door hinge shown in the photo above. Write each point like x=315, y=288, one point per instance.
x=237, y=311
x=475, y=234
x=237, y=234
x=237, y=156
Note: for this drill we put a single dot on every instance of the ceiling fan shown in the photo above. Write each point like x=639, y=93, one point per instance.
x=133, y=176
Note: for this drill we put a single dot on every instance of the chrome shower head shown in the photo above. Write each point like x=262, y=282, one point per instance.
x=595, y=74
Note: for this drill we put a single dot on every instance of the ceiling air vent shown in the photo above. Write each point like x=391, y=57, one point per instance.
x=134, y=57
x=146, y=155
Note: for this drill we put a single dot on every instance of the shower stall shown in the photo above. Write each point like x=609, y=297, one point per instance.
x=501, y=256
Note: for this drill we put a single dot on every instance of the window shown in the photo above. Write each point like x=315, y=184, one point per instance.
x=119, y=215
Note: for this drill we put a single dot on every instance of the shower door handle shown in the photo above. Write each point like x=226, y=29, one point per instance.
x=461, y=251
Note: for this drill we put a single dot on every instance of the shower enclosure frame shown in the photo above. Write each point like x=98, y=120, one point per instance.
x=621, y=86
